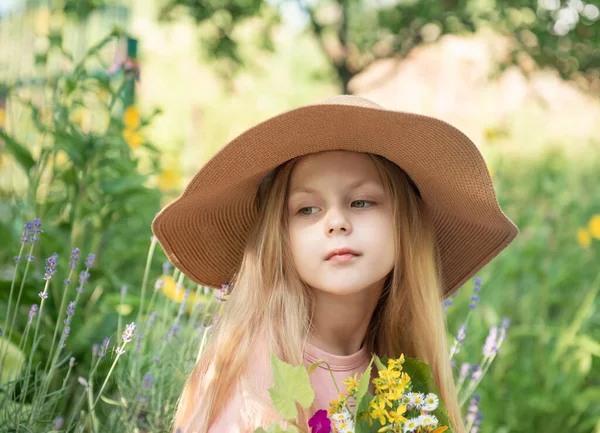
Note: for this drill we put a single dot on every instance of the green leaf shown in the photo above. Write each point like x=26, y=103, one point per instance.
x=13, y=362
x=292, y=385
x=363, y=385
x=18, y=151
x=312, y=367
x=422, y=381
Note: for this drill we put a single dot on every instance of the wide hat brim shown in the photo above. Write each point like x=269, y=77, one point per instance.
x=203, y=232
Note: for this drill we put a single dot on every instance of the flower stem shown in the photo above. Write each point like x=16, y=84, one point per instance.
x=112, y=367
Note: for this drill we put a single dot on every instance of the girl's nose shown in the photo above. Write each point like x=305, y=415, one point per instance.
x=337, y=222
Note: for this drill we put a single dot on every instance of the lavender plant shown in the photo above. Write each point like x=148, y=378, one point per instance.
x=139, y=391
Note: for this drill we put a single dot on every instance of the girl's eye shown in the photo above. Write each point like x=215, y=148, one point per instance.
x=362, y=201
x=307, y=207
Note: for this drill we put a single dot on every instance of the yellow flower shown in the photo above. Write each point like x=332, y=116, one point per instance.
x=79, y=116
x=583, y=238
x=378, y=411
x=395, y=416
x=594, y=226
x=396, y=363
x=133, y=138
x=131, y=117
x=169, y=179
x=2, y=117
x=170, y=290
x=351, y=384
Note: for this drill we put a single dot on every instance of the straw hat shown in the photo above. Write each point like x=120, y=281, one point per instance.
x=204, y=231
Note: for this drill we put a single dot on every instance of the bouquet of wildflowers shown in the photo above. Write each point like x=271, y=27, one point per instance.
x=405, y=399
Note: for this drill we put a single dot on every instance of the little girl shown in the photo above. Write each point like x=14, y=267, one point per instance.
x=341, y=227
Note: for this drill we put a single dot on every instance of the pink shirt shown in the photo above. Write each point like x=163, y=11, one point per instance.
x=241, y=415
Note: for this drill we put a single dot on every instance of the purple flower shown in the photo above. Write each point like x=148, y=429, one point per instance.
x=476, y=373
x=74, y=258
x=43, y=295
x=464, y=370
x=490, y=348
x=1, y=333
x=29, y=258
x=70, y=312
x=128, y=334
x=32, y=312
x=104, y=347
x=89, y=261
x=319, y=423
x=59, y=423
x=477, y=281
x=173, y=330
x=151, y=319
x=147, y=381
x=83, y=278
x=166, y=268
x=461, y=334
x=27, y=232
x=18, y=259
x=120, y=351
x=123, y=290
x=67, y=281
x=82, y=381
x=64, y=336
x=159, y=284
x=473, y=409
x=71, y=361
x=35, y=230
x=95, y=350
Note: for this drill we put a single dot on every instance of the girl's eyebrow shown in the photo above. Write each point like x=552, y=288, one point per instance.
x=353, y=185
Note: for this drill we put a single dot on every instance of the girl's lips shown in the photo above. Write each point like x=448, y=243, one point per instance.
x=342, y=258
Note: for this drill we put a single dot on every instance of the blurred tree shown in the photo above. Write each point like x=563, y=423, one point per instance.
x=564, y=35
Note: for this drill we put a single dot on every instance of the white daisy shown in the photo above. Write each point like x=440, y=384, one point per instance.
x=431, y=402
x=418, y=399
x=412, y=424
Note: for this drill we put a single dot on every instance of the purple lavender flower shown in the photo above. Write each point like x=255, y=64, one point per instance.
x=104, y=347
x=1, y=333
x=18, y=259
x=95, y=348
x=32, y=312
x=71, y=361
x=490, y=348
x=476, y=374
x=89, y=261
x=173, y=331
x=473, y=409
x=166, y=268
x=58, y=423
x=159, y=284
x=123, y=290
x=74, y=258
x=82, y=381
x=70, y=312
x=461, y=334
x=29, y=258
x=43, y=295
x=464, y=370
x=120, y=351
x=83, y=279
x=64, y=337
x=128, y=334
x=477, y=281
x=35, y=230
x=151, y=319
x=147, y=381
x=27, y=232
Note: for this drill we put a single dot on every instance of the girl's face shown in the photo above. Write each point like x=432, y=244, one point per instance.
x=337, y=200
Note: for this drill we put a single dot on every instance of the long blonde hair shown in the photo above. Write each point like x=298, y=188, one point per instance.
x=268, y=300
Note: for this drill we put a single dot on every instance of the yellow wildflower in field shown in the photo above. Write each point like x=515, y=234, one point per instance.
x=133, y=138
x=594, y=226
x=169, y=179
x=583, y=238
x=2, y=117
x=131, y=117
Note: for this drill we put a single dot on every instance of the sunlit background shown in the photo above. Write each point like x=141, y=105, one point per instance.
x=108, y=109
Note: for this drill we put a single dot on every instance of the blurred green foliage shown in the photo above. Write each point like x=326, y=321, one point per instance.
x=86, y=172
x=560, y=34
x=547, y=375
